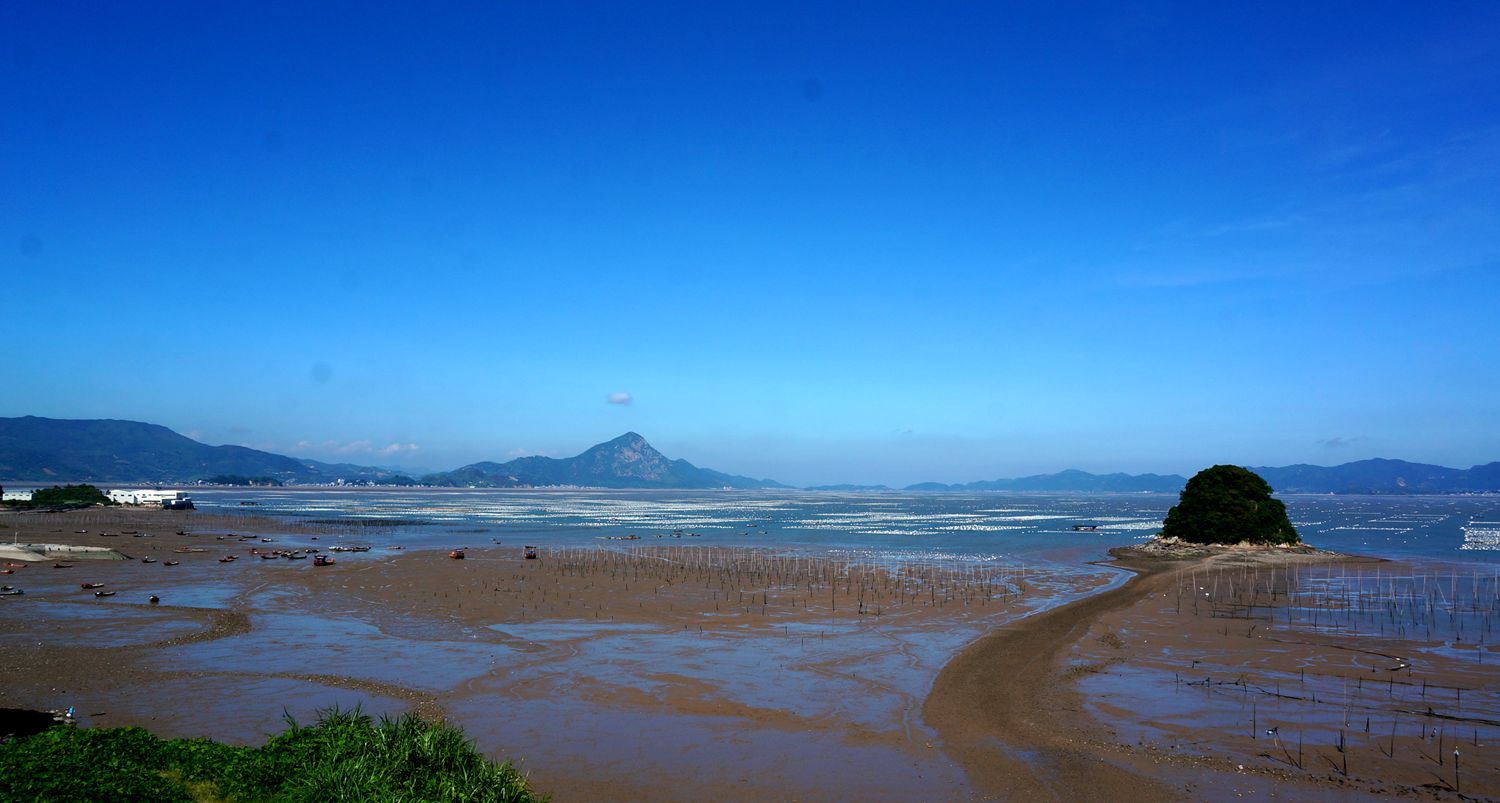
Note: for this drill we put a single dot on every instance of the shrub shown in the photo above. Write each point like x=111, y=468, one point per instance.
x=345, y=756
x=1228, y=505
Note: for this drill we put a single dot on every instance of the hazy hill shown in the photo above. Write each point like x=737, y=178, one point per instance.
x=625, y=462
x=108, y=450
x=1380, y=476
x=1376, y=476
x=1069, y=480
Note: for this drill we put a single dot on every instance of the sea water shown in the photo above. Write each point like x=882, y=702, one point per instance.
x=896, y=526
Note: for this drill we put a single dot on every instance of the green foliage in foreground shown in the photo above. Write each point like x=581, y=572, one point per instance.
x=1228, y=505
x=345, y=756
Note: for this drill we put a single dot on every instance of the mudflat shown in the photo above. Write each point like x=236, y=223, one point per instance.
x=614, y=673
x=631, y=672
x=1210, y=674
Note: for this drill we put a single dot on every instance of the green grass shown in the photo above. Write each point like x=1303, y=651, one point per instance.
x=345, y=756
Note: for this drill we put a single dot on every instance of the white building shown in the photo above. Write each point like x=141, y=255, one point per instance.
x=16, y=496
x=145, y=496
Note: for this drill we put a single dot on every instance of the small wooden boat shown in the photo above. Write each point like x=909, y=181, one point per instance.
x=322, y=560
x=148, y=560
x=171, y=563
x=11, y=592
x=295, y=556
x=15, y=565
x=7, y=571
x=457, y=554
x=531, y=553
x=154, y=600
x=109, y=535
x=62, y=565
x=227, y=559
x=90, y=585
x=104, y=593
x=268, y=556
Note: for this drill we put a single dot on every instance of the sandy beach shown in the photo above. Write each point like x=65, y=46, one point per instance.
x=637, y=671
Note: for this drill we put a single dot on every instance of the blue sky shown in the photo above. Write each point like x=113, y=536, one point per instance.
x=815, y=242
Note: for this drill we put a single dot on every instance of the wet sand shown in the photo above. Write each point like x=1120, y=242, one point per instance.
x=692, y=673
x=1136, y=693
x=661, y=672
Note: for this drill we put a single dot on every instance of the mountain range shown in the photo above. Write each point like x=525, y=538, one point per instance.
x=105, y=450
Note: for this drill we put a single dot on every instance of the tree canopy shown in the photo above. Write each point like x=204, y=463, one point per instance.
x=1228, y=505
x=75, y=495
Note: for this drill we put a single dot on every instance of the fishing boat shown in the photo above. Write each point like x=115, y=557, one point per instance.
x=171, y=563
x=7, y=591
x=102, y=594
x=148, y=560
x=90, y=585
x=322, y=560
x=62, y=565
x=295, y=556
x=1085, y=528
x=457, y=554
x=531, y=553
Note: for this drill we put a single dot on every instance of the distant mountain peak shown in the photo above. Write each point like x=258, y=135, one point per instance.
x=627, y=461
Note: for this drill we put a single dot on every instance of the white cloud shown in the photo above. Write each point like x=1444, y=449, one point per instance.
x=524, y=452
x=400, y=448
x=618, y=398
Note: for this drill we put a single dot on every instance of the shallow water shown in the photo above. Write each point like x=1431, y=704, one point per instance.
x=902, y=527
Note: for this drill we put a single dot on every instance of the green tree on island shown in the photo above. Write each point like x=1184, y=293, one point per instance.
x=1228, y=505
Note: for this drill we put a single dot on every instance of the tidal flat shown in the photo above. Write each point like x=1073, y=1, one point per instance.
x=739, y=668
